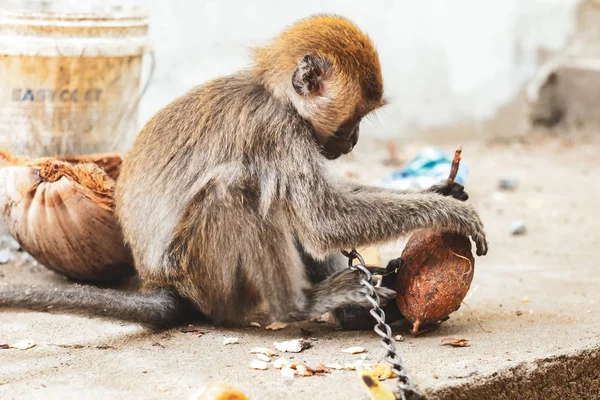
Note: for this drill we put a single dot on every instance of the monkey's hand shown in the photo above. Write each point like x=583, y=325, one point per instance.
x=473, y=227
x=480, y=242
x=455, y=190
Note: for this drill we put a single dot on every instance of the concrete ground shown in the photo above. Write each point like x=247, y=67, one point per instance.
x=547, y=347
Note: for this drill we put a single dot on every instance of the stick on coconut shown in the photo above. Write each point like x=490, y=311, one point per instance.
x=455, y=164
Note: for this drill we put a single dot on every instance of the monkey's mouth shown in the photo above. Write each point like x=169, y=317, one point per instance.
x=340, y=143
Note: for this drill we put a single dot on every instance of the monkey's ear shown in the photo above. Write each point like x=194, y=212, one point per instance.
x=308, y=76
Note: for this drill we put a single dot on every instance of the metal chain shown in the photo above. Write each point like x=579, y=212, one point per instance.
x=406, y=387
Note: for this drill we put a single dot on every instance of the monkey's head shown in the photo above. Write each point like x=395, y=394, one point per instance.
x=328, y=69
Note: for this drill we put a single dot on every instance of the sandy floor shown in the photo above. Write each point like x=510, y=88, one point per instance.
x=555, y=265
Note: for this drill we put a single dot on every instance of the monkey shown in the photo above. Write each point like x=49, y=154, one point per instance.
x=227, y=203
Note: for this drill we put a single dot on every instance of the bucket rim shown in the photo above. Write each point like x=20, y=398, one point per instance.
x=134, y=13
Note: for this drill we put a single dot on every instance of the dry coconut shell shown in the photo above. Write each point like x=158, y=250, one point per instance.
x=63, y=215
x=434, y=277
x=109, y=162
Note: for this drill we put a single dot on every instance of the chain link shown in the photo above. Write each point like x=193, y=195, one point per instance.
x=406, y=387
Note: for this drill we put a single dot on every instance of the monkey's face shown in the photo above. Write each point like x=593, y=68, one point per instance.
x=333, y=102
x=329, y=70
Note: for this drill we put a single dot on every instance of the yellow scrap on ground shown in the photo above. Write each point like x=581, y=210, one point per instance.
x=219, y=391
x=374, y=388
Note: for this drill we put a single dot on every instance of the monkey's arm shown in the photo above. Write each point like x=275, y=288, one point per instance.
x=455, y=190
x=329, y=219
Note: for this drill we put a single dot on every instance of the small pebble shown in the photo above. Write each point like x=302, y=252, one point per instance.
x=507, y=183
x=10, y=243
x=6, y=256
x=518, y=228
x=498, y=196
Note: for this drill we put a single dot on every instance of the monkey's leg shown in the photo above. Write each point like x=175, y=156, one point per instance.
x=234, y=260
x=356, y=317
x=353, y=316
x=318, y=270
x=340, y=290
x=221, y=280
x=160, y=309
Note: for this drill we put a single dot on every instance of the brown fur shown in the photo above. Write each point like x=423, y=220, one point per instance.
x=358, y=81
x=351, y=50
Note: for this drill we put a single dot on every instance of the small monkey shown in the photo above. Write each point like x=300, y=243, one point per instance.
x=227, y=205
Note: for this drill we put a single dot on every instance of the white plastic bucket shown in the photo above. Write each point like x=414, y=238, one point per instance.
x=70, y=83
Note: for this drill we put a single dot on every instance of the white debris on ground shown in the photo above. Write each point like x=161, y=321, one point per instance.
x=292, y=346
x=22, y=345
x=258, y=364
x=230, y=340
x=288, y=372
x=280, y=363
x=262, y=357
x=262, y=350
x=354, y=350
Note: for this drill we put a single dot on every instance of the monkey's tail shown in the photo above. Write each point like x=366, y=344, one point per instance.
x=161, y=309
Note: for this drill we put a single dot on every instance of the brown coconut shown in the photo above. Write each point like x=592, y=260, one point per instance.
x=62, y=213
x=434, y=277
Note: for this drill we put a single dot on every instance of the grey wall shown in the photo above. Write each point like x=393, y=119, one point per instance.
x=447, y=64
x=444, y=62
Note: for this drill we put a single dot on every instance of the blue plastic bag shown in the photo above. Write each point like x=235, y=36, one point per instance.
x=430, y=167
